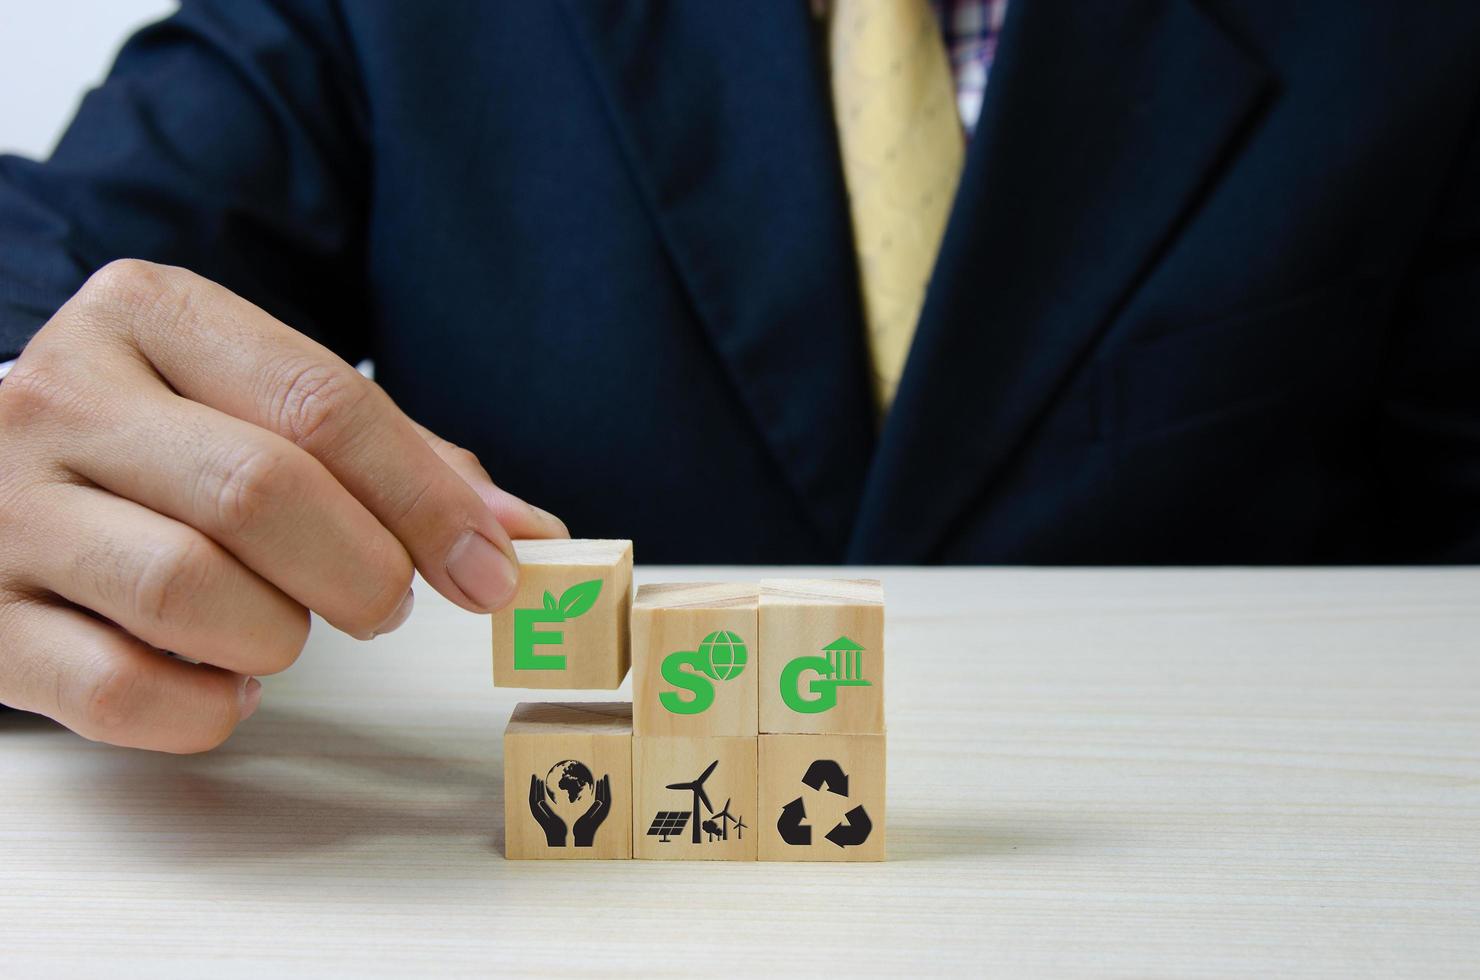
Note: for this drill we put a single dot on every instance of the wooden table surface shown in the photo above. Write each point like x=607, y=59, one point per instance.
x=1148, y=773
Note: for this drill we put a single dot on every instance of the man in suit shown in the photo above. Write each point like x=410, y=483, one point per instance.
x=1177, y=281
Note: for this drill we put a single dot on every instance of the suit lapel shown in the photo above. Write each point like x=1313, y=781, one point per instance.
x=1102, y=123
x=723, y=112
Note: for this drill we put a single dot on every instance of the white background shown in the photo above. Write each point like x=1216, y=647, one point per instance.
x=51, y=51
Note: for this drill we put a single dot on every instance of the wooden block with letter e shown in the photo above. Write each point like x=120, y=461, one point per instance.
x=821, y=656
x=568, y=624
x=568, y=781
x=693, y=659
x=822, y=797
x=693, y=799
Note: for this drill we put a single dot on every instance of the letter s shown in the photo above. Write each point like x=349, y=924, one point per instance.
x=700, y=688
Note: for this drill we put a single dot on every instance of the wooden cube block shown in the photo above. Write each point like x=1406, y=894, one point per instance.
x=822, y=797
x=568, y=781
x=693, y=799
x=568, y=624
x=822, y=656
x=693, y=659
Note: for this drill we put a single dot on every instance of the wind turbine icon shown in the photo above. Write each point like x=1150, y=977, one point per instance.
x=697, y=788
x=720, y=825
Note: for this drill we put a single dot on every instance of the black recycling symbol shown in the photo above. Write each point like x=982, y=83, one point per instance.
x=850, y=832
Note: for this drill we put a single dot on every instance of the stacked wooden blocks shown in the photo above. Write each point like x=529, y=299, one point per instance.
x=756, y=730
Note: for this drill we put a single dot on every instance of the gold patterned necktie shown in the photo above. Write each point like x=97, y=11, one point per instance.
x=902, y=149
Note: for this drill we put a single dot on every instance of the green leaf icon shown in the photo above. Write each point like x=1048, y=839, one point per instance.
x=549, y=602
x=579, y=598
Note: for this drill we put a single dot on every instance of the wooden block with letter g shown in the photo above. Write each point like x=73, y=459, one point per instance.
x=821, y=656
x=568, y=781
x=693, y=659
x=568, y=624
x=822, y=797
x=693, y=799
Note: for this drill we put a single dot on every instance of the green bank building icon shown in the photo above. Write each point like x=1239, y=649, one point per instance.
x=840, y=665
x=846, y=658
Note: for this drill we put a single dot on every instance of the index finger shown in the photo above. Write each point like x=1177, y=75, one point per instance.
x=216, y=348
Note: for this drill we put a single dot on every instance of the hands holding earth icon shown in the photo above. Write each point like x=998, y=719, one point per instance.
x=564, y=787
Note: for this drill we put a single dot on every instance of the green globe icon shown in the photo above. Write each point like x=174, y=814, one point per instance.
x=722, y=655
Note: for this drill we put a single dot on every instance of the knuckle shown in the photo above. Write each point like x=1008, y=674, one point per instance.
x=126, y=292
x=124, y=282
x=26, y=397
x=316, y=400
x=108, y=699
x=171, y=579
x=35, y=390
x=464, y=457
x=35, y=405
x=249, y=488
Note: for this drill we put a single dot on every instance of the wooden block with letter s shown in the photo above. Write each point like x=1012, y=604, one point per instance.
x=693, y=799
x=822, y=797
x=567, y=627
x=568, y=781
x=694, y=659
x=821, y=656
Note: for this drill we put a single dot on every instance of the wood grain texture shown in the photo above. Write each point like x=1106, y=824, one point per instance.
x=540, y=742
x=659, y=761
x=595, y=644
x=673, y=617
x=1107, y=773
x=799, y=620
x=852, y=800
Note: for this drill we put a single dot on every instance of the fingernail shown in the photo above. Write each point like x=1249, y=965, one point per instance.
x=484, y=573
x=398, y=617
x=251, y=697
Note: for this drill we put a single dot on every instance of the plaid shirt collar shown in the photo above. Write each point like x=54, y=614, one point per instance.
x=970, y=29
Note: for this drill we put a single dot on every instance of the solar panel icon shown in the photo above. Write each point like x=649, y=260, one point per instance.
x=667, y=823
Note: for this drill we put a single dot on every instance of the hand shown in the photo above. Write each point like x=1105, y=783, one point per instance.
x=585, y=829
x=548, y=819
x=179, y=471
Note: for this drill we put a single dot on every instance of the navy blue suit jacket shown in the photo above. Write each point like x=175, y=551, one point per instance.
x=1210, y=291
